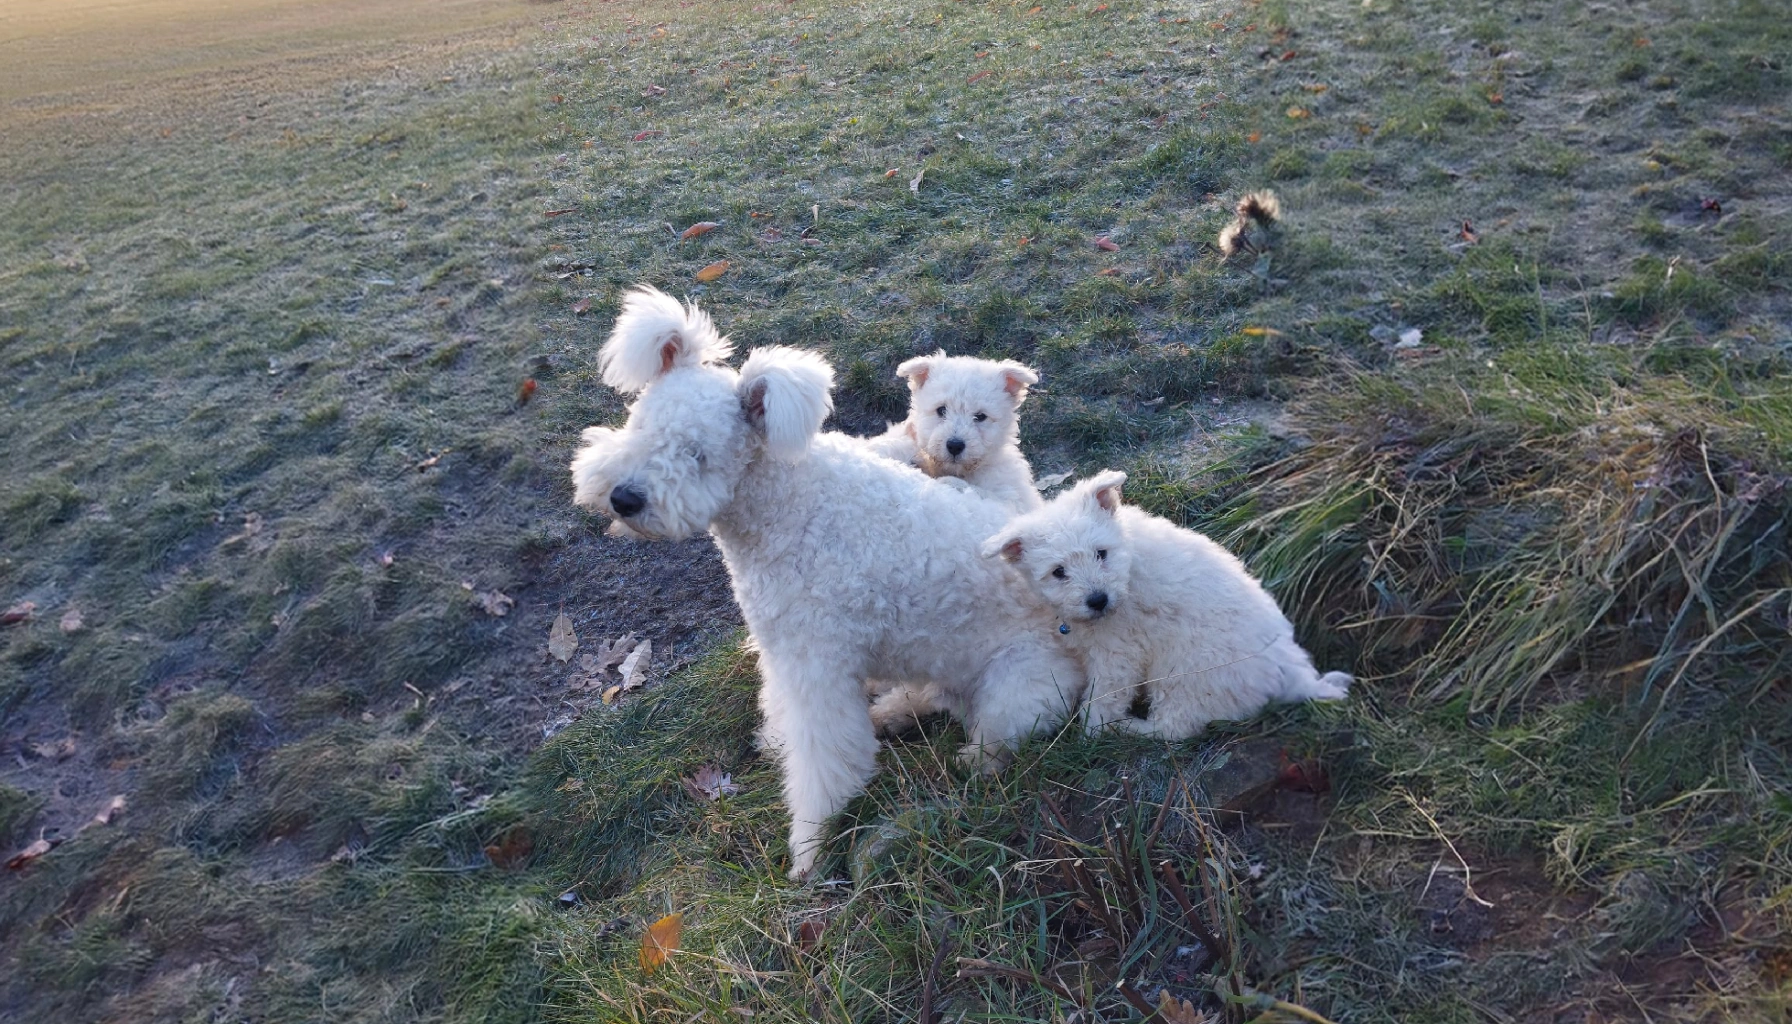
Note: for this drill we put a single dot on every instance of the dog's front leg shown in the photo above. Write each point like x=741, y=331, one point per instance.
x=1029, y=688
x=823, y=732
x=1114, y=681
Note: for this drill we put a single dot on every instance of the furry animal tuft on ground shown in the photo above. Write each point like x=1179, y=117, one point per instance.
x=843, y=562
x=963, y=421
x=1149, y=605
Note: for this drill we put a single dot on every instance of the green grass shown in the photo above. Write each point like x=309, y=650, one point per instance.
x=1550, y=540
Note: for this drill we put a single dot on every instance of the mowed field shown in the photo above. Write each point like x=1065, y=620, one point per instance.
x=60, y=53
x=298, y=310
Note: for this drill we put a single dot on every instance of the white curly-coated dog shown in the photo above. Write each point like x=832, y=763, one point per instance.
x=844, y=563
x=1146, y=603
x=963, y=421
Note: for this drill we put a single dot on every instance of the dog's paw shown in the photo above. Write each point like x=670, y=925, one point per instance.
x=984, y=760
x=1332, y=686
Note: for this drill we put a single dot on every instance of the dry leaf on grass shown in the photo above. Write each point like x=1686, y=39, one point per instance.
x=809, y=934
x=1172, y=1010
x=582, y=305
x=1106, y=244
x=634, y=667
x=644, y=136
x=711, y=272
x=526, y=391
x=702, y=227
x=114, y=807
x=606, y=655
x=71, y=621
x=61, y=750
x=562, y=641
x=24, y=611
x=510, y=851
x=709, y=785
x=661, y=939
x=914, y=183
x=30, y=853
x=496, y=603
x=252, y=526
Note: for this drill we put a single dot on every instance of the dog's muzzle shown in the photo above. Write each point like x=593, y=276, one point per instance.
x=1097, y=602
x=955, y=447
x=627, y=502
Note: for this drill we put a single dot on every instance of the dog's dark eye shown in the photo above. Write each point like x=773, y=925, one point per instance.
x=1101, y=553
x=942, y=411
x=1060, y=573
x=980, y=417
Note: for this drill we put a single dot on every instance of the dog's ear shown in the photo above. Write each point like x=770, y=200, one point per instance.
x=1103, y=490
x=1007, y=544
x=1016, y=379
x=655, y=334
x=917, y=369
x=785, y=393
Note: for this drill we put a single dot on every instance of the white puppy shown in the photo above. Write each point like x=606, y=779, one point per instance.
x=1147, y=604
x=844, y=563
x=963, y=422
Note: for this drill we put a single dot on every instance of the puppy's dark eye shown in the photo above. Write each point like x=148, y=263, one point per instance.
x=1060, y=573
x=1101, y=553
x=980, y=417
x=942, y=411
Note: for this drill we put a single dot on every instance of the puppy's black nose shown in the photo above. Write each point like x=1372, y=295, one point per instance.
x=627, y=502
x=955, y=446
x=1097, y=601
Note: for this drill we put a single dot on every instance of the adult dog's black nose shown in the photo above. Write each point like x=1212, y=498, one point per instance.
x=1097, y=601
x=955, y=446
x=627, y=502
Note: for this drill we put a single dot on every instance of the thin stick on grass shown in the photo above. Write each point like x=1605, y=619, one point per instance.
x=930, y=1014
x=1468, y=887
x=1167, y=870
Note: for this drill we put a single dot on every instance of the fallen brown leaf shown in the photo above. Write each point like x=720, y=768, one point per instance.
x=495, y=602
x=71, y=621
x=809, y=933
x=660, y=941
x=1467, y=234
x=526, y=391
x=1299, y=113
x=644, y=136
x=1171, y=1010
x=634, y=667
x=562, y=641
x=711, y=272
x=978, y=77
x=709, y=785
x=510, y=851
x=582, y=305
x=1106, y=244
x=61, y=750
x=561, y=213
x=914, y=183
x=30, y=853
x=114, y=807
x=702, y=227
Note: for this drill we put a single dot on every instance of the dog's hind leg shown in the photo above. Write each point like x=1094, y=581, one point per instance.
x=1028, y=688
x=824, y=738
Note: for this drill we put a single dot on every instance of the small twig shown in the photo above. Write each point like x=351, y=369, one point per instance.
x=1468, y=887
x=930, y=1015
x=1136, y=998
x=973, y=968
x=1207, y=939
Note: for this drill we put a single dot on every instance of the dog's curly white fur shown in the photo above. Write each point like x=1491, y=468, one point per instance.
x=963, y=422
x=1146, y=603
x=842, y=562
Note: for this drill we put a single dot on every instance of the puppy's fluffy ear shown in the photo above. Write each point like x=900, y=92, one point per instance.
x=1016, y=379
x=586, y=478
x=786, y=394
x=655, y=334
x=1007, y=544
x=917, y=369
x=1103, y=490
